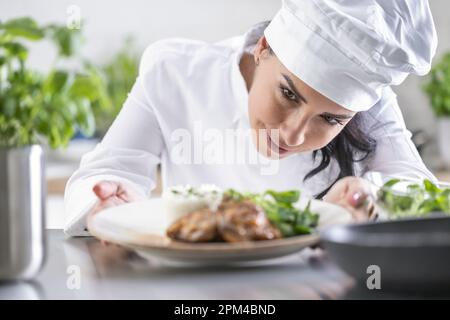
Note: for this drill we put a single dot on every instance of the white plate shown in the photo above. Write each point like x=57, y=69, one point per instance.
x=141, y=226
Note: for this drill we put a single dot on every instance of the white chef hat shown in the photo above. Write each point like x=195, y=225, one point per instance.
x=349, y=50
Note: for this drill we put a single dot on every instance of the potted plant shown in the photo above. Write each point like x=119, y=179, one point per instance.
x=35, y=109
x=438, y=90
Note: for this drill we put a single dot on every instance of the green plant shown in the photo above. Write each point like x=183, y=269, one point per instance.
x=437, y=87
x=120, y=73
x=416, y=201
x=38, y=107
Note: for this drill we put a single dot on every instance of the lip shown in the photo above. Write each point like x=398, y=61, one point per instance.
x=276, y=148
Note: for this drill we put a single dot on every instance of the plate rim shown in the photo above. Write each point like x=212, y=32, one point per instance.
x=168, y=244
x=158, y=242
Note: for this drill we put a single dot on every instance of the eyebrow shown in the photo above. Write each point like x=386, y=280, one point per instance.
x=292, y=87
x=337, y=116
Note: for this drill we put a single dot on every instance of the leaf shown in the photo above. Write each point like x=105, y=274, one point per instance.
x=55, y=137
x=8, y=107
x=428, y=205
x=430, y=186
x=67, y=40
x=15, y=49
x=285, y=196
x=23, y=27
x=286, y=229
x=85, y=118
x=287, y=214
x=83, y=87
x=444, y=200
x=56, y=81
x=302, y=229
x=233, y=194
x=391, y=183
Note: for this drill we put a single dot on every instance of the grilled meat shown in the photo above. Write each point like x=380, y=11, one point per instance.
x=196, y=226
x=244, y=221
x=234, y=221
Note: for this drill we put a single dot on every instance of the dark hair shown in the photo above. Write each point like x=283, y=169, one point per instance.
x=351, y=145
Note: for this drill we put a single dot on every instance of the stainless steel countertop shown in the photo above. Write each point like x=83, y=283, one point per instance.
x=111, y=272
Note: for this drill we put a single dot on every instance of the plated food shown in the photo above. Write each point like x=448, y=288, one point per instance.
x=402, y=198
x=206, y=214
x=142, y=225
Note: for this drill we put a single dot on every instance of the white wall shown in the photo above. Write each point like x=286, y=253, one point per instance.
x=107, y=22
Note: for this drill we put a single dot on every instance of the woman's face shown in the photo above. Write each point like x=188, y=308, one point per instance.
x=288, y=115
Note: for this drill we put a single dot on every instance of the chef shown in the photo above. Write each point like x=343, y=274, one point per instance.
x=306, y=97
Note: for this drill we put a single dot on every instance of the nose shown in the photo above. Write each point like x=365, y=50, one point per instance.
x=293, y=133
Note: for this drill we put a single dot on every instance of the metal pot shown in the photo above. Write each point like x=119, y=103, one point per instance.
x=22, y=211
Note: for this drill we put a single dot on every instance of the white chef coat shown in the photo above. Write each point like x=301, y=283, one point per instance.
x=183, y=84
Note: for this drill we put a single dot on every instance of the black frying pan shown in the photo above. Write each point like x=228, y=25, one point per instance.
x=413, y=254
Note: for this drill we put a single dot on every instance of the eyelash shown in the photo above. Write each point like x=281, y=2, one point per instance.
x=288, y=94
x=291, y=96
x=332, y=121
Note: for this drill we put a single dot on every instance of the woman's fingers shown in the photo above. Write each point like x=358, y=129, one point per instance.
x=358, y=192
x=111, y=193
x=126, y=194
x=363, y=207
x=373, y=211
x=356, y=198
x=354, y=194
x=105, y=189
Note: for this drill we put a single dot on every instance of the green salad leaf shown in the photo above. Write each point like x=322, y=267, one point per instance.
x=280, y=210
x=419, y=199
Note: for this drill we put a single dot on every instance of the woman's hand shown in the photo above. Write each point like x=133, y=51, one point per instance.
x=111, y=194
x=356, y=195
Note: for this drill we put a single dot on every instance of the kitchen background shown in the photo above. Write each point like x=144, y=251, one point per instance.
x=117, y=31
